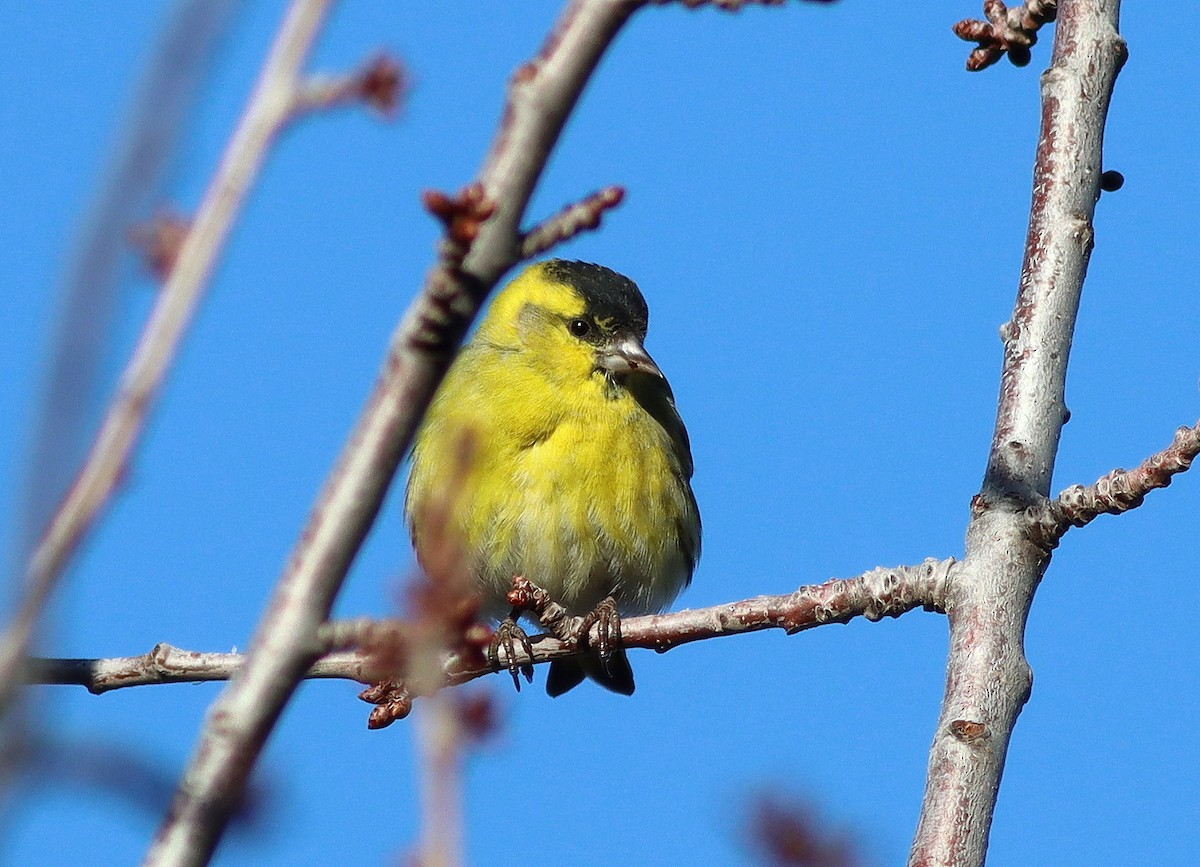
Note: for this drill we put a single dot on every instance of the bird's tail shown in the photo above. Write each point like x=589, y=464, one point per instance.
x=613, y=673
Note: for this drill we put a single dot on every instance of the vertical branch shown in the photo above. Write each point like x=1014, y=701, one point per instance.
x=541, y=95
x=269, y=108
x=988, y=678
x=440, y=734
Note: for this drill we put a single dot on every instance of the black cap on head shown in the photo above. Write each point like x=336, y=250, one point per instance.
x=609, y=296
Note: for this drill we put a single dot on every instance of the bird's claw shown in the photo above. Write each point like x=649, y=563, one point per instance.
x=509, y=635
x=608, y=633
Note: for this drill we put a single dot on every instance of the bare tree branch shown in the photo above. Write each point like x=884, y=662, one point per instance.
x=571, y=221
x=1114, y=493
x=988, y=678
x=380, y=83
x=268, y=110
x=876, y=594
x=166, y=663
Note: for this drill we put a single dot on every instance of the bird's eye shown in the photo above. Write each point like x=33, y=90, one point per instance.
x=579, y=327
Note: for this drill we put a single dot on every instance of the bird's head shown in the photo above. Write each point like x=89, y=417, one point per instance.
x=574, y=318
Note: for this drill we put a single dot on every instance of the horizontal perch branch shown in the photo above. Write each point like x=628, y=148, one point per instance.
x=877, y=594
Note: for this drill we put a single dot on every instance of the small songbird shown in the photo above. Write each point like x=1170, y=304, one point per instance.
x=580, y=467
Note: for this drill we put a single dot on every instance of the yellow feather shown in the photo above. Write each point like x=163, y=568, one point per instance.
x=578, y=480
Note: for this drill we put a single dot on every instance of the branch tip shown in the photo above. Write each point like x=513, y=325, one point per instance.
x=392, y=703
x=1006, y=31
x=572, y=220
x=381, y=84
x=159, y=240
x=461, y=214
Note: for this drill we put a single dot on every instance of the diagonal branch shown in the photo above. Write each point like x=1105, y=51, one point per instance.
x=988, y=678
x=1114, y=493
x=266, y=114
x=570, y=221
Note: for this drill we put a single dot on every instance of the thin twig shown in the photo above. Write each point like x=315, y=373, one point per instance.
x=380, y=83
x=988, y=678
x=1114, y=493
x=166, y=663
x=570, y=221
x=541, y=96
x=353, y=644
x=176, y=305
x=90, y=292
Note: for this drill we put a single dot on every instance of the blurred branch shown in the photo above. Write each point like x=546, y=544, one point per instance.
x=789, y=833
x=1114, y=493
x=186, y=254
x=441, y=740
x=132, y=180
x=876, y=594
x=988, y=678
x=1012, y=31
x=381, y=84
x=89, y=297
x=266, y=114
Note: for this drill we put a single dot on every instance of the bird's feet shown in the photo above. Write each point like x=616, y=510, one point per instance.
x=608, y=622
x=509, y=635
x=604, y=661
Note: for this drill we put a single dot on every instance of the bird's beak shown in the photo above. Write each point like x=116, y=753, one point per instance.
x=627, y=355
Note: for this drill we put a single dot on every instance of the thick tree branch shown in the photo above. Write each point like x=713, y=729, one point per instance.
x=988, y=678
x=876, y=594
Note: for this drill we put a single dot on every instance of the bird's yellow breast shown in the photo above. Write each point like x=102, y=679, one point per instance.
x=573, y=484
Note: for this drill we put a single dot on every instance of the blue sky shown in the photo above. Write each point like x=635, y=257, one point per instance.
x=826, y=214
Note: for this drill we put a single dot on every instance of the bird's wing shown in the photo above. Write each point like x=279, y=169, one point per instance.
x=656, y=398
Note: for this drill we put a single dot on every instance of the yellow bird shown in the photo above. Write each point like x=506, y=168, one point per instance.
x=580, y=467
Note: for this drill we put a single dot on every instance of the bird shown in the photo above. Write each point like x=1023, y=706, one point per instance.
x=580, y=467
